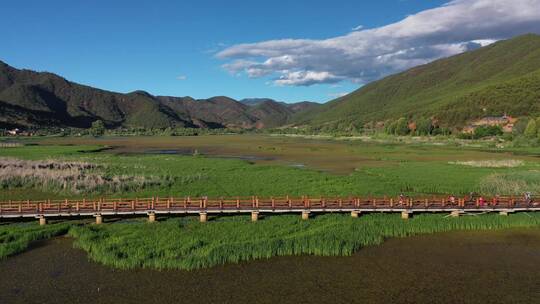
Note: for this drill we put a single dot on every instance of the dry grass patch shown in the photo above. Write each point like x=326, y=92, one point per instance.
x=505, y=163
x=75, y=177
x=515, y=183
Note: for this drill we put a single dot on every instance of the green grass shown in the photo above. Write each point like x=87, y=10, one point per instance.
x=183, y=243
x=414, y=170
x=15, y=238
x=34, y=152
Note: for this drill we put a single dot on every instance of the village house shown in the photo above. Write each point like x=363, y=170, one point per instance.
x=18, y=132
x=14, y=132
x=505, y=122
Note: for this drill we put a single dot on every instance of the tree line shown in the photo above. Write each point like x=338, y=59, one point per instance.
x=420, y=127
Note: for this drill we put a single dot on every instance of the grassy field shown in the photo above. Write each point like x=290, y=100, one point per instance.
x=372, y=168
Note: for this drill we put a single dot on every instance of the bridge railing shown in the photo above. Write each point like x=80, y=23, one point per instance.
x=119, y=205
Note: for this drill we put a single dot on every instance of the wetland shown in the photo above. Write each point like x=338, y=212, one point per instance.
x=481, y=267
x=330, y=258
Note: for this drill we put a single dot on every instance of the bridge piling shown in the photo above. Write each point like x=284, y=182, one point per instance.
x=42, y=220
x=355, y=214
x=203, y=217
x=305, y=215
x=151, y=217
x=99, y=219
x=455, y=213
x=504, y=213
x=254, y=216
x=405, y=215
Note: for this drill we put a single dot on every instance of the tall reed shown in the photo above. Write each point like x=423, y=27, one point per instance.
x=74, y=177
x=16, y=238
x=187, y=244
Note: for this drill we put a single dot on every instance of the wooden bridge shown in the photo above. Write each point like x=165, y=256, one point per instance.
x=254, y=205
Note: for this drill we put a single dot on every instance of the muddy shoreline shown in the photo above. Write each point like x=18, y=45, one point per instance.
x=456, y=267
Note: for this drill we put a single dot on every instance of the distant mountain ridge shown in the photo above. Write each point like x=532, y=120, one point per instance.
x=502, y=78
x=31, y=99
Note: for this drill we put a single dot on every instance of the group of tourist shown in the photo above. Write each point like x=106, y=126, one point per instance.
x=480, y=201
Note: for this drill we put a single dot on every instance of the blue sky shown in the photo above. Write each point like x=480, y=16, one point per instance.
x=235, y=48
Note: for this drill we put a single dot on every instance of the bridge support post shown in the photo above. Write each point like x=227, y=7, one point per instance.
x=503, y=213
x=203, y=217
x=99, y=219
x=305, y=215
x=355, y=214
x=254, y=216
x=151, y=217
x=455, y=213
x=405, y=215
x=42, y=220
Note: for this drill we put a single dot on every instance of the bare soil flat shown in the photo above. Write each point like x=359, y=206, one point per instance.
x=457, y=267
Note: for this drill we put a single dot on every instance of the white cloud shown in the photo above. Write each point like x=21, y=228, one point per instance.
x=357, y=28
x=337, y=95
x=181, y=77
x=368, y=54
x=306, y=78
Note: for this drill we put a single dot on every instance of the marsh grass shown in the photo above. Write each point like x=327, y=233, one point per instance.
x=385, y=170
x=514, y=183
x=186, y=244
x=493, y=163
x=15, y=238
x=71, y=176
x=10, y=145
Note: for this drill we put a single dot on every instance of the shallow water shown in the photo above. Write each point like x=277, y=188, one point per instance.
x=457, y=267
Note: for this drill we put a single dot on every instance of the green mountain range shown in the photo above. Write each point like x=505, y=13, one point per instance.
x=503, y=77
x=31, y=99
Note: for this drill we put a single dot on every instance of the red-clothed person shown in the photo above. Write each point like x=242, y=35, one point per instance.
x=481, y=201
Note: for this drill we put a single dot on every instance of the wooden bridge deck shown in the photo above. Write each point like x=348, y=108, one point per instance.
x=187, y=205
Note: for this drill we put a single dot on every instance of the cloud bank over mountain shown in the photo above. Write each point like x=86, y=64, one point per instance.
x=365, y=55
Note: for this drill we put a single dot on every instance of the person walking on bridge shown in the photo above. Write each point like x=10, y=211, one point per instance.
x=528, y=198
x=401, y=199
x=481, y=201
x=452, y=200
x=495, y=200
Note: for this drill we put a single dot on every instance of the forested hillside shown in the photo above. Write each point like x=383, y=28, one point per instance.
x=501, y=78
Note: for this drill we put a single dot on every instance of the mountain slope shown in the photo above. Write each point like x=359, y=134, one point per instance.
x=502, y=77
x=273, y=113
x=32, y=99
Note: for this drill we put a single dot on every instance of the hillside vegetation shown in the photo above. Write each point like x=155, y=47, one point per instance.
x=500, y=78
x=31, y=99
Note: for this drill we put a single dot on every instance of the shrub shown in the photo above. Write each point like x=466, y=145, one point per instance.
x=98, y=128
x=531, y=130
x=402, y=126
x=390, y=128
x=424, y=126
x=486, y=131
x=520, y=126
